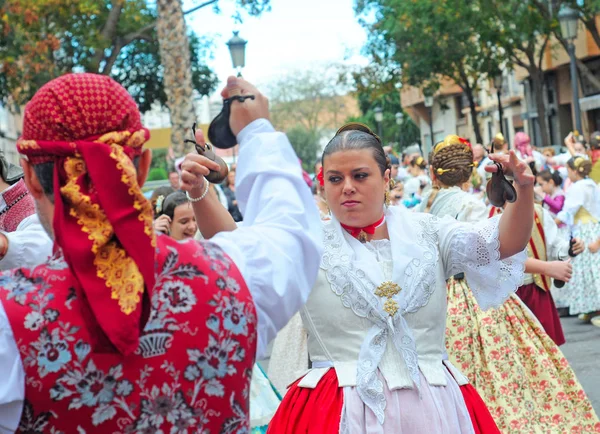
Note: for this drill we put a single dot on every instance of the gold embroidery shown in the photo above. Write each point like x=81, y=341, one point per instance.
x=113, y=265
x=390, y=306
x=121, y=274
x=28, y=144
x=89, y=216
x=388, y=290
x=129, y=178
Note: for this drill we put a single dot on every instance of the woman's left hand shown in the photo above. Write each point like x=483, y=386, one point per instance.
x=512, y=166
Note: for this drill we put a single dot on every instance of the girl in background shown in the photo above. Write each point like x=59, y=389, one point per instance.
x=581, y=212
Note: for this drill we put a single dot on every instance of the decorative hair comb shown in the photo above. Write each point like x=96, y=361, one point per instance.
x=159, y=204
x=450, y=140
x=208, y=152
x=499, y=190
x=357, y=126
x=219, y=131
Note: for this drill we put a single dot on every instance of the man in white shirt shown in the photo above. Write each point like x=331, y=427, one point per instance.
x=23, y=241
x=131, y=331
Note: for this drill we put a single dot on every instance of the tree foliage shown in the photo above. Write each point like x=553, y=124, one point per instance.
x=42, y=39
x=145, y=80
x=523, y=36
x=426, y=40
x=375, y=87
x=310, y=98
x=306, y=145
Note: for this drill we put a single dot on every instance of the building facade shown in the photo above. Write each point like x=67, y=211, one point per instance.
x=450, y=112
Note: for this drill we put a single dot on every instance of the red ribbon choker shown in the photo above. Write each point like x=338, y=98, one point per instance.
x=361, y=233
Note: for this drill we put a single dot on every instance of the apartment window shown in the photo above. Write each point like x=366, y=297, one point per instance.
x=586, y=86
x=460, y=105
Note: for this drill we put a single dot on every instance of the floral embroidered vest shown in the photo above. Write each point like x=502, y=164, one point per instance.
x=190, y=374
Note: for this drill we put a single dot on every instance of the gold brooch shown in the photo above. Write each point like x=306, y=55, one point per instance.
x=389, y=289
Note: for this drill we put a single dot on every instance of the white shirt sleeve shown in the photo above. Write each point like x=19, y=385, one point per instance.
x=29, y=245
x=556, y=246
x=279, y=245
x=562, y=159
x=12, y=386
x=474, y=249
x=574, y=199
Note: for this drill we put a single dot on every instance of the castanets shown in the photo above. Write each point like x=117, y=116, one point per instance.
x=207, y=151
x=499, y=190
x=219, y=131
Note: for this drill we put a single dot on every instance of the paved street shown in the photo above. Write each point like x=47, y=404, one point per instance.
x=582, y=350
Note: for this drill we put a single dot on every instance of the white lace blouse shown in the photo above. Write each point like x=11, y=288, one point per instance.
x=382, y=305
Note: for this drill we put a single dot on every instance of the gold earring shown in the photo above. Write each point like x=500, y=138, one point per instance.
x=386, y=198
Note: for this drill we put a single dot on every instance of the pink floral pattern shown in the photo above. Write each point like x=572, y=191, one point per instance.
x=515, y=366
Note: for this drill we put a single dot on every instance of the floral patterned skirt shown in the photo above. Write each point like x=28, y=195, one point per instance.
x=582, y=293
x=515, y=366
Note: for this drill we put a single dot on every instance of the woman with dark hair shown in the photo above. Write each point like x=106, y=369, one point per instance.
x=549, y=191
x=376, y=317
x=176, y=217
x=581, y=213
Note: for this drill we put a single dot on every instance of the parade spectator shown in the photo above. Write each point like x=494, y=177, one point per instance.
x=418, y=180
x=23, y=241
x=526, y=153
x=176, y=217
x=174, y=180
x=232, y=203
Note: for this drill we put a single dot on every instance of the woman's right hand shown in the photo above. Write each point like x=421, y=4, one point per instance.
x=194, y=168
x=163, y=224
x=560, y=270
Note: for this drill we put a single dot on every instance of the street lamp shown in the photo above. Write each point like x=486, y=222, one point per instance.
x=378, y=111
x=498, y=79
x=399, y=122
x=568, y=19
x=237, y=49
x=429, y=104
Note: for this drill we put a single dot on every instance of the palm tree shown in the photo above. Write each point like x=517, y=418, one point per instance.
x=175, y=58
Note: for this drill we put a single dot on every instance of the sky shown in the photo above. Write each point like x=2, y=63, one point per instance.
x=294, y=35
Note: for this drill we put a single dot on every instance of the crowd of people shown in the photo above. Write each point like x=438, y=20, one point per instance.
x=396, y=297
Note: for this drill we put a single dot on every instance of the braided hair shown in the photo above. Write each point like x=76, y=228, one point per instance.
x=452, y=164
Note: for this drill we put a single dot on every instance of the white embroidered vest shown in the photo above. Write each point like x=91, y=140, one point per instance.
x=352, y=329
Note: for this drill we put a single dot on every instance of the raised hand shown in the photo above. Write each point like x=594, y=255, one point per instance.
x=194, y=168
x=244, y=113
x=512, y=166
